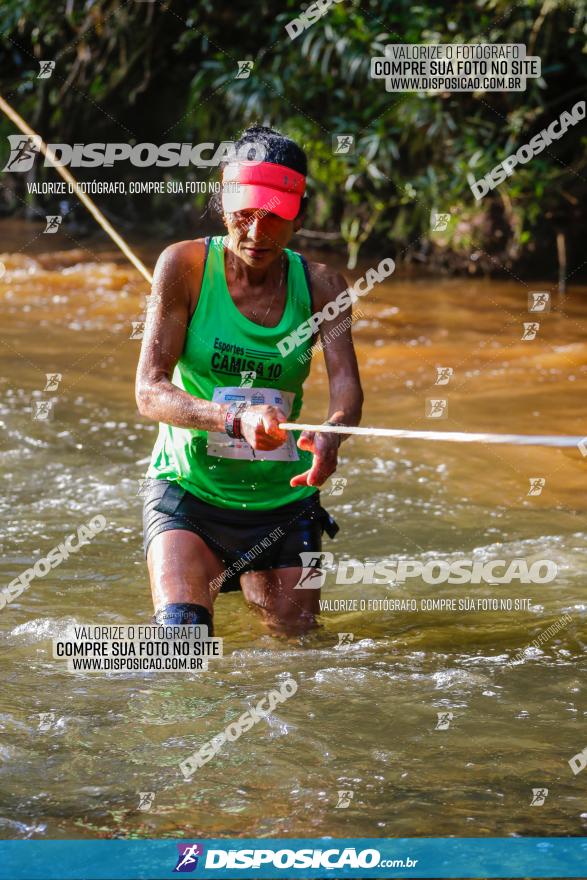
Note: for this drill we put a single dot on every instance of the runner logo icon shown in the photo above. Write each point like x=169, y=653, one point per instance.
x=23, y=151
x=187, y=860
x=313, y=576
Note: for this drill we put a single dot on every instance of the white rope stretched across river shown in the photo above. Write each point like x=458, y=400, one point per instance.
x=397, y=433
x=561, y=440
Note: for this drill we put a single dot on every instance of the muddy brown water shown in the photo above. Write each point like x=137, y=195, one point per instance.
x=365, y=716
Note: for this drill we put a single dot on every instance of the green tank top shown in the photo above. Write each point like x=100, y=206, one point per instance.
x=226, y=357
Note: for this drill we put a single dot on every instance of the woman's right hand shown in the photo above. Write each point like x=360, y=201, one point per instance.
x=260, y=427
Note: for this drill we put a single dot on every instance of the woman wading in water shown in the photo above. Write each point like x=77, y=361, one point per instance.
x=232, y=501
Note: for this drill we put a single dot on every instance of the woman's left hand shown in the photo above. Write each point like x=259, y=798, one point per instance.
x=325, y=449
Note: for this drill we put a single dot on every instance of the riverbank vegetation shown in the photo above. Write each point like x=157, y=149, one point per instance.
x=161, y=72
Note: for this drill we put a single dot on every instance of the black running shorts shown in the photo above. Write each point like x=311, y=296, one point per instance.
x=245, y=540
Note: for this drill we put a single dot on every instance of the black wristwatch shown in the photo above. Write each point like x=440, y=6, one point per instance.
x=232, y=420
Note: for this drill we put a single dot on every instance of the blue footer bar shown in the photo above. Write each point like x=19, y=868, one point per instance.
x=412, y=857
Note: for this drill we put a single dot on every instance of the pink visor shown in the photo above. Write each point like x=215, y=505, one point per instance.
x=262, y=185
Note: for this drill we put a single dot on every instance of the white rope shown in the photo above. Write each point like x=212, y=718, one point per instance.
x=85, y=199
x=398, y=434
x=561, y=440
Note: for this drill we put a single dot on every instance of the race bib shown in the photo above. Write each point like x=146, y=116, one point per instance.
x=223, y=446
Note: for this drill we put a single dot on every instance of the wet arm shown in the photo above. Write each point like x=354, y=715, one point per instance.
x=345, y=392
x=175, y=290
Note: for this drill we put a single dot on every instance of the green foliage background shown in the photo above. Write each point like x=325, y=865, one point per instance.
x=165, y=71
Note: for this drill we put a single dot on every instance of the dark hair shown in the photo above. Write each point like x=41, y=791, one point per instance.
x=278, y=149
